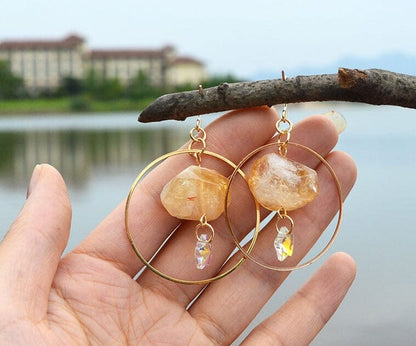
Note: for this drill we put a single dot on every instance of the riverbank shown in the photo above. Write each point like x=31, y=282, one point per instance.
x=70, y=104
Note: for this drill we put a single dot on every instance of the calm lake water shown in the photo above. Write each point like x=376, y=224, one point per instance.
x=99, y=156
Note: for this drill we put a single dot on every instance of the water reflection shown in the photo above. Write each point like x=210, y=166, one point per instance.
x=77, y=153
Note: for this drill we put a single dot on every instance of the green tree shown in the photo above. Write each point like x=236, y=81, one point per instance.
x=102, y=88
x=71, y=86
x=140, y=87
x=91, y=81
x=10, y=85
x=212, y=81
x=216, y=80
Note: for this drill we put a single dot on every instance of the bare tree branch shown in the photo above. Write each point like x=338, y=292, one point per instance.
x=377, y=87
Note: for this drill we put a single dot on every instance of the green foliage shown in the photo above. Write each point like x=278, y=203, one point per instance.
x=34, y=105
x=10, y=85
x=101, y=88
x=80, y=103
x=94, y=93
x=141, y=88
x=216, y=80
x=71, y=86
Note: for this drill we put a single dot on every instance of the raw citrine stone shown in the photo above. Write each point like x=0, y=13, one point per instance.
x=277, y=182
x=283, y=243
x=194, y=192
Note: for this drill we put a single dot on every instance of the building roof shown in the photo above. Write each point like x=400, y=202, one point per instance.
x=68, y=42
x=187, y=60
x=125, y=53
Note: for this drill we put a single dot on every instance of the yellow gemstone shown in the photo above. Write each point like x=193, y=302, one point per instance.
x=194, y=192
x=278, y=182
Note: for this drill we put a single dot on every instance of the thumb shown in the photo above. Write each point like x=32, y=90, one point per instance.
x=31, y=250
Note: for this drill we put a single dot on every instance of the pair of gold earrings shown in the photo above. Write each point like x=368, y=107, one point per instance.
x=201, y=194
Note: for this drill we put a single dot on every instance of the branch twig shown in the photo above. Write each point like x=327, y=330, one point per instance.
x=377, y=87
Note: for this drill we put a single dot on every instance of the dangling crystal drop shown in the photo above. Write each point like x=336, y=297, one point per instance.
x=203, y=251
x=283, y=243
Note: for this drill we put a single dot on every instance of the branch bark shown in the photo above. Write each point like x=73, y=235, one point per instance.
x=377, y=87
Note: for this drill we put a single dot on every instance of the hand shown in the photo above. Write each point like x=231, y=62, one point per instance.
x=89, y=295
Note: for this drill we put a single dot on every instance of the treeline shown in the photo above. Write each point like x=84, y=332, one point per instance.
x=11, y=86
x=95, y=86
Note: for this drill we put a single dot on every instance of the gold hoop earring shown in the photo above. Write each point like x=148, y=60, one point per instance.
x=281, y=185
x=246, y=253
x=203, y=214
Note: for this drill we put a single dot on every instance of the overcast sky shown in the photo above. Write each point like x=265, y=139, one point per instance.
x=241, y=37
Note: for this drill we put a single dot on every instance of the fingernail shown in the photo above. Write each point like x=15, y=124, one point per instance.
x=33, y=180
x=338, y=120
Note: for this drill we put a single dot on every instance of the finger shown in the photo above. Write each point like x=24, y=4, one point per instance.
x=254, y=284
x=301, y=318
x=177, y=257
x=31, y=250
x=147, y=217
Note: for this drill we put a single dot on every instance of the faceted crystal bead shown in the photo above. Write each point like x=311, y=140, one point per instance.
x=194, y=192
x=277, y=182
x=203, y=252
x=283, y=243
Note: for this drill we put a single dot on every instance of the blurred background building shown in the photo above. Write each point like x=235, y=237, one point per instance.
x=42, y=64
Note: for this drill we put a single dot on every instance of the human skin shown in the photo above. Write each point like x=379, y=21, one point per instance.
x=91, y=295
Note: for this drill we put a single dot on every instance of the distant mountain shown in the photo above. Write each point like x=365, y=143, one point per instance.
x=396, y=62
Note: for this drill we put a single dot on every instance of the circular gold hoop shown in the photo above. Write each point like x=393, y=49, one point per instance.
x=130, y=236
x=256, y=231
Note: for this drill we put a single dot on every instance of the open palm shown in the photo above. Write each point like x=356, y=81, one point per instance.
x=90, y=296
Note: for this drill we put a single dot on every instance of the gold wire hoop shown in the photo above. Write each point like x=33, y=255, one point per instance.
x=256, y=231
x=130, y=236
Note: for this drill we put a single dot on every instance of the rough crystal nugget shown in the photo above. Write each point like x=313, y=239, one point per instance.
x=194, y=192
x=278, y=182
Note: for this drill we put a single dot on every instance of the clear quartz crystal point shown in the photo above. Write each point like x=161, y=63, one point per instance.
x=203, y=252
x=283, y=243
